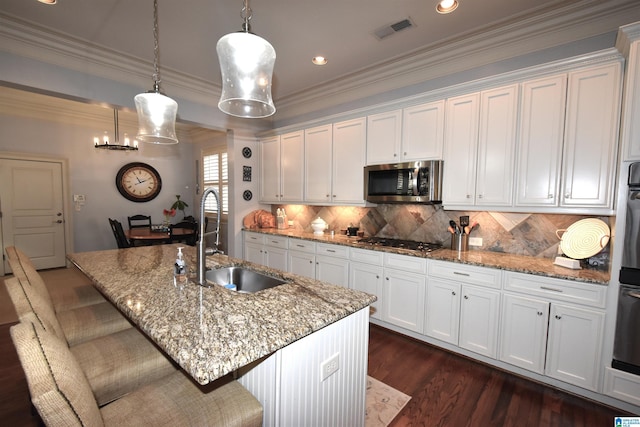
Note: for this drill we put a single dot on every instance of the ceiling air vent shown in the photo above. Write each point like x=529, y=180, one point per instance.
x=388, y=30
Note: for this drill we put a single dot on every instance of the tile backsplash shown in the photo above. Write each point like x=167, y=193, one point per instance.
x=513, y=233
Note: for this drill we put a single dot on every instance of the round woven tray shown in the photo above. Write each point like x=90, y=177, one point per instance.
x=584, y=238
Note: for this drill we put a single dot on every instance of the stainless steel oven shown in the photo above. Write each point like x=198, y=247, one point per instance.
x=626, y=348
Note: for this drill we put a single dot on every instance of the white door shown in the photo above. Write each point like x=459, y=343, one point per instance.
x=302, y=263
x=384, y=133
x=292, y=166
x=253, y=253
x=423, y=132
x=270, y=170
x=31, y=199
x=368, y=278
x=276, y=258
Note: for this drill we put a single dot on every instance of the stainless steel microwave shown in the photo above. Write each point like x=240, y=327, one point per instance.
x=411, y=182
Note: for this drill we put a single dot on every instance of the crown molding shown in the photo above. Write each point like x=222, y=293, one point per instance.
x=627, y=35
x=29, y=40
x=553, y=28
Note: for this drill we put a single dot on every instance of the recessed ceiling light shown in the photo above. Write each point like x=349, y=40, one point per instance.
x=319, y=60
x=447, y=6
x=48, y=1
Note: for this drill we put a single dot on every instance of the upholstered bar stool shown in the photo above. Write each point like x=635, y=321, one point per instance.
x=64, y=298
x=114, y=364
x=63, y=397
x=76, y=326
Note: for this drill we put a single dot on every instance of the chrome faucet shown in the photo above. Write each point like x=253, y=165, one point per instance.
x=203, y=251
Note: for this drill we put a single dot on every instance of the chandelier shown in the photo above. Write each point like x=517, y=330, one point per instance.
x=115, y=144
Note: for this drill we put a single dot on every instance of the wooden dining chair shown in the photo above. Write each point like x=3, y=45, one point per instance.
x=118, y=233
x=189, y=239
x=139, y=221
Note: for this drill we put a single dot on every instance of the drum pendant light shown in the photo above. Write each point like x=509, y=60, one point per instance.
x=246, y=64
x=156, y=112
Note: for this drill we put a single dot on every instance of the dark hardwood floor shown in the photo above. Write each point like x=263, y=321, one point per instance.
x=450, y=390
x=445, y=389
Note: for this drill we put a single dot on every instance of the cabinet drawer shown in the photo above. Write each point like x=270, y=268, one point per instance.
x=557, y=289
x=332, y=250
x=482, y=276
x=405, y=263
x=302, y=245
x=277, y=241
x=367, y=256
x=251, y=237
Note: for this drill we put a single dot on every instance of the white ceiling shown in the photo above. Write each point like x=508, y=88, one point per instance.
x=341, y=30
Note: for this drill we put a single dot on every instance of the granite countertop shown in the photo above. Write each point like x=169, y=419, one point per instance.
x=502, y=261
x=212, y=331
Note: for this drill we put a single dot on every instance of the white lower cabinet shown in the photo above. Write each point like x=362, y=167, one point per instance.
x=403, y=291
x=267, y=250
x=461, y=307
x=557, y=339
x=324, y=262
x=463, y=315
x=366, y=275
x=302, y=263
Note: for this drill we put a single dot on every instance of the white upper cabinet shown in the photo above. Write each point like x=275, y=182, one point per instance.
x=282, y=161
x=414, y=133
x=591, y=130
x=630, y=37
x=423, y=132
x=270, y=170
x=496, y=146
x=291, y=166
x=480, y=140
x=460, y=152
x=384, y=136
x=349, y=147
x=541, y=134
x=317, y=164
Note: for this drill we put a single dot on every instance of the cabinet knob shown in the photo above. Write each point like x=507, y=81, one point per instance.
x=539, y=313
x=558, y=317
x=386, y=278
x=468, y=196
x=377, y=277
x=317, y=263
x=310, y=262
x=479, y=196
x=466, y=297
x=395, y=155
x=550, y=196
x=405, y=153
x=327, y=195
x=567, y=196
x=334, y=196
x=453, y=293
x=281, y=196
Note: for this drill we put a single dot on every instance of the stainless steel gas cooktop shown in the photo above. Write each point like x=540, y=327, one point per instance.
x=402, y=244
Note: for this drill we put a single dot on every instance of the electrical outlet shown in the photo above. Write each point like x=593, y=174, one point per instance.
x=475, y=241
x=330, y=366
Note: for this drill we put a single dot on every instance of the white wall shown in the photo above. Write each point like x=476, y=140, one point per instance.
x=92, y=172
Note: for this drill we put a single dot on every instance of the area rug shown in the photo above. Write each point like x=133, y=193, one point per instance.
x=383, y=403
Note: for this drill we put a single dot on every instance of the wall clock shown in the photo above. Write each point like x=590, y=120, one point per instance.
x=138, y=182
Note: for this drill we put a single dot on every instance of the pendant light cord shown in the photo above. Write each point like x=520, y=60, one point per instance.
x=245, y=14
x=156, y=48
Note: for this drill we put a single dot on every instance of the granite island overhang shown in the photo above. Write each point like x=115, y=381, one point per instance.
x=211, y=331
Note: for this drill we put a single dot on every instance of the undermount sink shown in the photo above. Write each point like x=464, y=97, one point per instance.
x=246, y=280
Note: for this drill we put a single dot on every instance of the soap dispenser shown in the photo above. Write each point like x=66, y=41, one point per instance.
x=180, y=269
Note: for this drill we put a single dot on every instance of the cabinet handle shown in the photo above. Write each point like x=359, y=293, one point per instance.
x=461, y=274
x=330, y=250
x=300, y=246
x=274, y=241
x=545, y=288
x=558, y=317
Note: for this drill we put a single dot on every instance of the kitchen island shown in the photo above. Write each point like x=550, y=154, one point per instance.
x=282, y=337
